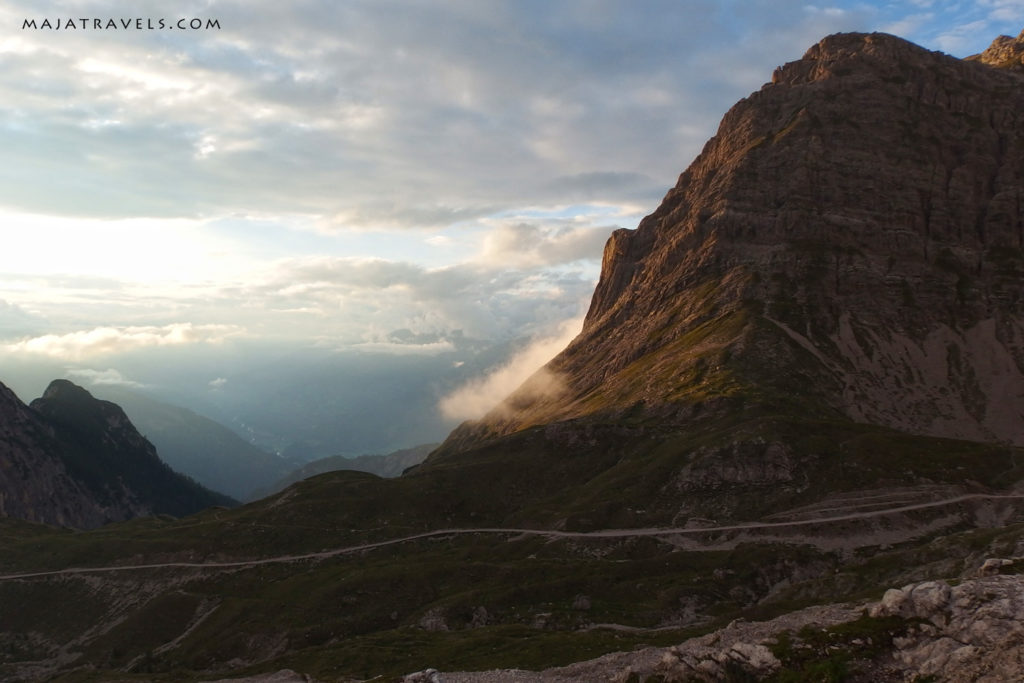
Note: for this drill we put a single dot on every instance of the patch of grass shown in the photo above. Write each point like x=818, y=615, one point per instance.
x=833, y=654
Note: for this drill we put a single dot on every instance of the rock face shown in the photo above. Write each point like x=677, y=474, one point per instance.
x=969, y=632
x=850, y=243
x=1004, y=52
x=71, y=460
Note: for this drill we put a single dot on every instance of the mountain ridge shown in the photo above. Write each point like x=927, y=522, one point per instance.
x=382, y=465
x=73, y=460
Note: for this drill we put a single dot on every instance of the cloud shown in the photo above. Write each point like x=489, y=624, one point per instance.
x=600, y=185
x=1009, y=12
x=908, y=25
x=961, y=38
x=827, y=11
x=529, y=245
x=523, y=371
x=396, y=348
x=218, y=383
x=391, y=113
x=959, y=28
x=16, y=321
x=106, y=340
x=108, y=377
x=349, y=301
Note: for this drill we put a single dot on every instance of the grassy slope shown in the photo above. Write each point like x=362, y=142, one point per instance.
x=362, y=614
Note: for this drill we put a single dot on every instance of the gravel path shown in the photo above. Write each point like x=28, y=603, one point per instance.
x=548, y=533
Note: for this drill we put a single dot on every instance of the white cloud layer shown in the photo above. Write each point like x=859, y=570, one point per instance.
x=108, y=377
x=326, y=109
x=529, y=245
x=361, y=303
x=109, y=340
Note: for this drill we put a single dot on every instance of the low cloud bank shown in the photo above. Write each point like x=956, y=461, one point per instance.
x=476, y=397
x=108, y=377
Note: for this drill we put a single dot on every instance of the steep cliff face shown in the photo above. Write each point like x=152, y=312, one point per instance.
x=848, y=244
x=72, y=460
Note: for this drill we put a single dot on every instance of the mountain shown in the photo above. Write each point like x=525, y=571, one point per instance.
x=72, y=460
x=35, y=483
x=1005, y=52
x=390, y=465
x=847, y=245
x=199, y=447
x=798, y=385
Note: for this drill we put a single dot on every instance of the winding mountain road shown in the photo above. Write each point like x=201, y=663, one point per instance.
x=550, y=533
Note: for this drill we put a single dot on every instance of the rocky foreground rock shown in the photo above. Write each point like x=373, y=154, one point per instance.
x=959, y=631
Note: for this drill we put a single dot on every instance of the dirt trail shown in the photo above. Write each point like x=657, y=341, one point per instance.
x=549, y=533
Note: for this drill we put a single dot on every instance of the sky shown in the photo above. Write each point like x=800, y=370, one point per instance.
x=378, y=176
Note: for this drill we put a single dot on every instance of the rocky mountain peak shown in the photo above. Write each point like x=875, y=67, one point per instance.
x=63, y=389
x=62, y=395
x=74, y=407
x=838, y=55
x=850, y=241
x=1005, y=52
x=12, y=408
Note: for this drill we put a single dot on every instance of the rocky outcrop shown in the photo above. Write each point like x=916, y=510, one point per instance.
x=1005, y=52
x=971, y=631
x=850, y=243
x=71, y=460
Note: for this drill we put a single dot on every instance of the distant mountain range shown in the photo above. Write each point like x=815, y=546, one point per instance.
x=390, y=465
x=197, y=446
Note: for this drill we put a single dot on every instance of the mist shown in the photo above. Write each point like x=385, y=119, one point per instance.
x=478, y=396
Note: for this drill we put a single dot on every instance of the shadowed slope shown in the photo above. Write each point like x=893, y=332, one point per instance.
x=71, y=460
